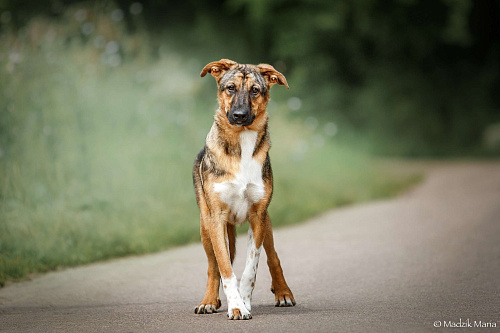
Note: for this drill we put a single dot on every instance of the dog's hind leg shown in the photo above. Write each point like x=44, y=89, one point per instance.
x=211, y=302
x=283, y=294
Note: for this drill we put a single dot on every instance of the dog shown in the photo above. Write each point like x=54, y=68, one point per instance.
x=233, y=182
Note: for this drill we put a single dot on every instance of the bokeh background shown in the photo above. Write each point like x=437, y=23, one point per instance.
x=102, y=111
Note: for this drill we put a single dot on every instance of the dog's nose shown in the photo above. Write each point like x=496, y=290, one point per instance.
x=240, y=116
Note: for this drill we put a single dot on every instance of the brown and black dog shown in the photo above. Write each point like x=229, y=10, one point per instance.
x=233, y=182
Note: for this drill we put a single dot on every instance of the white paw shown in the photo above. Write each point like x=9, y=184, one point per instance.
x=238, y=314
x=236, y=308
x=247, y=302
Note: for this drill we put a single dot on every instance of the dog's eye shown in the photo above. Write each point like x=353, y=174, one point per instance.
x=254, y=90
x=230, y=88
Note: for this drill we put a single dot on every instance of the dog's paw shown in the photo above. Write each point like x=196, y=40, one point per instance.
x=208, y=307
x=247, y=300
x=239, y=314
x=283, y=297
x=237, y=310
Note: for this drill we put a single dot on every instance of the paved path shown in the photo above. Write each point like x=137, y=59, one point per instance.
x=431, y=255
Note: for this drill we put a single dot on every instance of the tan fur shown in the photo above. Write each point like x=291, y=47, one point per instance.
x=217, y=164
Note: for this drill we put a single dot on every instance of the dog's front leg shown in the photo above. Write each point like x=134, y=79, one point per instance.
x=235, y=307
x=254, y=248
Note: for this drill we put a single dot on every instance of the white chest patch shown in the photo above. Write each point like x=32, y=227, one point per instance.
x=247, y=187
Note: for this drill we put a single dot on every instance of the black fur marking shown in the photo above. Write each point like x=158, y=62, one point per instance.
x=267, y=171
x=204, y=164
x=267, y=177
x=226, y=78
x=259, y=80
x=262, y=139
x=197, y=181
x=245, y=70
x=241, y=101
x=231, y=149
x=196, y=166
x=212, y=167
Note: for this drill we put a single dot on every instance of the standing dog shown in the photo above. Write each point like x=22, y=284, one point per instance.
x=233, y=182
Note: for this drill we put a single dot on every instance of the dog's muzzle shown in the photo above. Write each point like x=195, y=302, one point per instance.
x=240, y=118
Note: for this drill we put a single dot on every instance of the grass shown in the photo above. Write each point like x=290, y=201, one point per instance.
x=96, y=153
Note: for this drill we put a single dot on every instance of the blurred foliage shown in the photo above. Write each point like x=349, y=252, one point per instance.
x=99, y=127
x=404, y=77
x=102, y=110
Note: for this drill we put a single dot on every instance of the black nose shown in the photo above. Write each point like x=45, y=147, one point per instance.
x=240, y=116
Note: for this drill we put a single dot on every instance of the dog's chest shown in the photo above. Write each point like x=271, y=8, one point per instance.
x=247, y=187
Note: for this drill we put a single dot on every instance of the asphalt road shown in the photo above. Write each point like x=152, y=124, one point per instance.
x=430, y=257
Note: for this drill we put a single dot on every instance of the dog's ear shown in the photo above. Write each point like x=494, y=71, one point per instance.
x=272, y=76
x=217, y=68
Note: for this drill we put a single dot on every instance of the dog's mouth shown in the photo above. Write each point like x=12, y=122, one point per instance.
x=240, y=119
x=248, y=123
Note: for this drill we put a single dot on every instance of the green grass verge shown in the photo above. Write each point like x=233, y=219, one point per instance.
x=96, y=156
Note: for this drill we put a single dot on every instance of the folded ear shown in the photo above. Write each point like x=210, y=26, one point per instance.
x=272, y=76
x=217, y=68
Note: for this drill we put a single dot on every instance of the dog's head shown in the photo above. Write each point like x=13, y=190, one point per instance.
x=243, y=89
